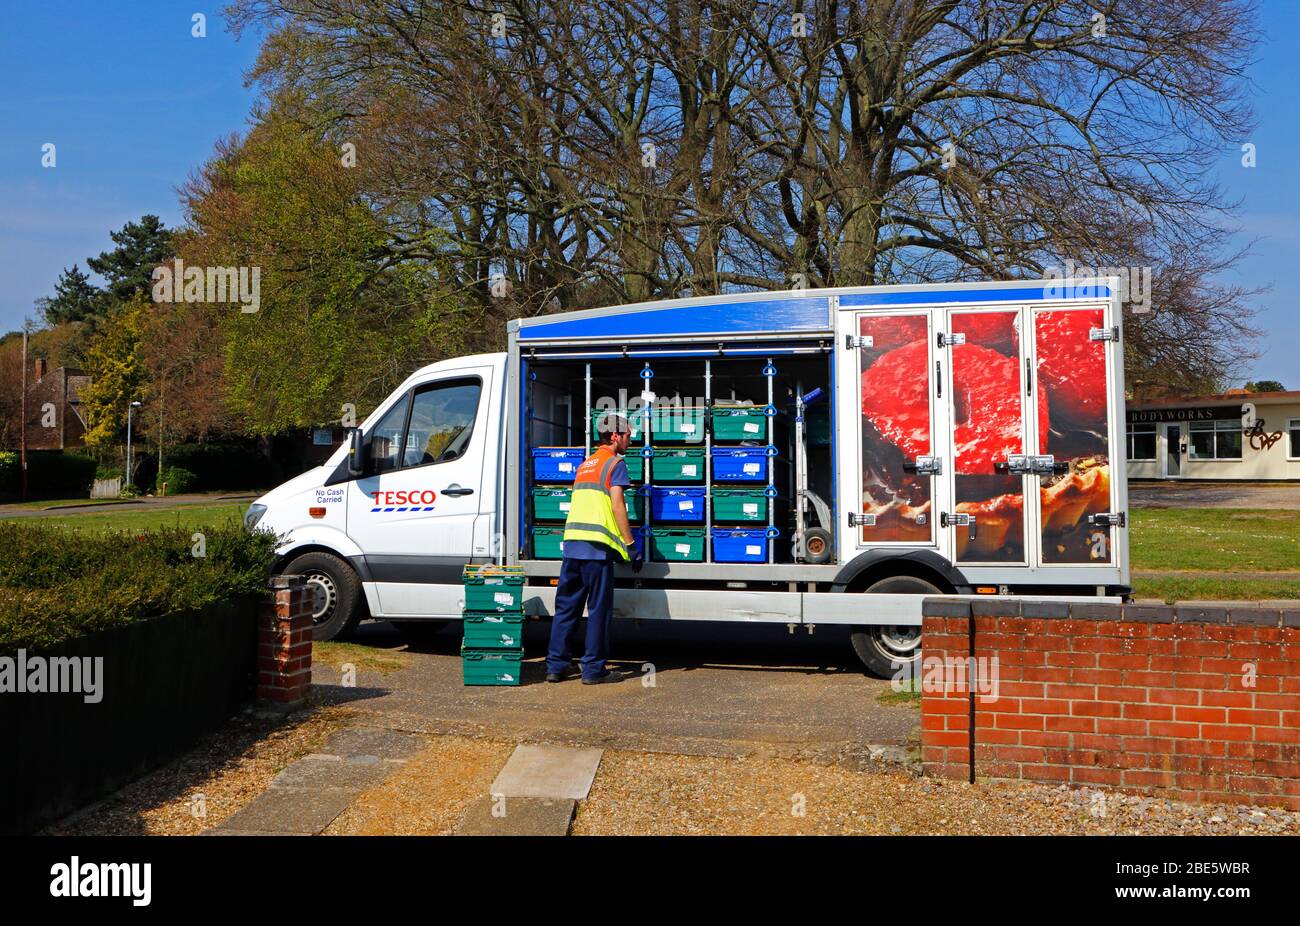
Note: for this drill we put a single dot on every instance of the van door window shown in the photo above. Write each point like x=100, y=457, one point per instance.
x=386, y=438
x=442, y=421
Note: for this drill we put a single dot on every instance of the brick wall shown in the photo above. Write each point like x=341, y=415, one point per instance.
x=284, y=643
x=1198, y=703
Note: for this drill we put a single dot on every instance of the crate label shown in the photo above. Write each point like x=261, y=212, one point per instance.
x=566, y=467
x=507, y=640
x=690, y=469
x=753, y=550
x=503, y=598
x=564, y=506
x=688, y=427
x=751, y=467
x=751, y=427
x=750, y=507
x=506, y=677
x=683, y=548
x=561, y=545
x=492, y=618
x=688, y=505
x=494, y=581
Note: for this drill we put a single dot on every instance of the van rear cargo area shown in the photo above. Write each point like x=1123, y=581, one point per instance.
x=721, y=449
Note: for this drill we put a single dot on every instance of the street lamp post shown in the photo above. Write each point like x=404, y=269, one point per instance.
x=129, y=410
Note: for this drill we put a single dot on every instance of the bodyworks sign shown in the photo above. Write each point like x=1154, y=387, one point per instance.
x=404, y=500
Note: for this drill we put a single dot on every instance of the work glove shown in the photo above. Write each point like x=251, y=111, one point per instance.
x=637, y=554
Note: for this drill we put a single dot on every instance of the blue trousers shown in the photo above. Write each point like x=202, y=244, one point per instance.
x=587, y=582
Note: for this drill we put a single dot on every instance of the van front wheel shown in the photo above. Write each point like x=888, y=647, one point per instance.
x=887, y=648
x=337, y=609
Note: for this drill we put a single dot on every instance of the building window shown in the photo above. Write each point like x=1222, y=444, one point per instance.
x=1141, y=442
x=1215, y=440
x=1293, y=438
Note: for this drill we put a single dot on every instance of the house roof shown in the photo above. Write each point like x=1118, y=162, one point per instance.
x=1224, y=398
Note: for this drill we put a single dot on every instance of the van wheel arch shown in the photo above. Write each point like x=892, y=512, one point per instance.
x=342, y=602
x=883, y=648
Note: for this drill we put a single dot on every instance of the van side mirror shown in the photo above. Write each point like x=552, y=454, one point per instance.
x=356, y=453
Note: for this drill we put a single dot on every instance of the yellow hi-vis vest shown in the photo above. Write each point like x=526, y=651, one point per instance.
x=591, y=511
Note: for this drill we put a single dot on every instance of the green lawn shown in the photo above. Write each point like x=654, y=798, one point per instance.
x=1215, y=539
x=132, y=517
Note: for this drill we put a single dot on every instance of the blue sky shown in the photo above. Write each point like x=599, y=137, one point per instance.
x=134, y=103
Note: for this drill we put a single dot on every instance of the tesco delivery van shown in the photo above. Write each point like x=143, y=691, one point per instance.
x=805, y=457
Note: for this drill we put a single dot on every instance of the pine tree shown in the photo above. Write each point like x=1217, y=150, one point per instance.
x=141, y=246
x=75, y=298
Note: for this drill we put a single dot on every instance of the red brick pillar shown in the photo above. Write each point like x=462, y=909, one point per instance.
x=284, y=643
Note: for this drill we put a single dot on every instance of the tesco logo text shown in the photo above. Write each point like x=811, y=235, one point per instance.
x=403, y=497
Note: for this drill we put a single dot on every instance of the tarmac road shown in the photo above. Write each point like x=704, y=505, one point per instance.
x=718, y=689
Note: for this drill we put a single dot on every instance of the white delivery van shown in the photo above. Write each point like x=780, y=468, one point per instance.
x=805, y=457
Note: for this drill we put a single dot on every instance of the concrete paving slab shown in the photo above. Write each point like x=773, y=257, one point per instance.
x=516, y=816
x=373, y=741
x=555, y=772
x=300, y=811
x=354, y=773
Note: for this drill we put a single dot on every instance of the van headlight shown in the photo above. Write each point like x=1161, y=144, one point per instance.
x=253, y=515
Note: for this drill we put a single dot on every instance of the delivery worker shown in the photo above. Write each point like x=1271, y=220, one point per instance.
x=596, y=535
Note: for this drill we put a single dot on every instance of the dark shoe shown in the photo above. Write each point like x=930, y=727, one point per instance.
x=556, y=676
x=607, y=678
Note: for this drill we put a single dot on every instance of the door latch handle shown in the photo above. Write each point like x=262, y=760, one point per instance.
x=455, y=490
x=1106, y=519
x=958, y=520
x=924, y=466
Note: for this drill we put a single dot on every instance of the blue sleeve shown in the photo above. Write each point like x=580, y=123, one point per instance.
x=619, y=476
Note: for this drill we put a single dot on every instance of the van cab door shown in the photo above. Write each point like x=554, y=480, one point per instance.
x=413, y=513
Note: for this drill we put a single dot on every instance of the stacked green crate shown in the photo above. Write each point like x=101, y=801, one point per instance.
x=739, y=426
x=492, y=650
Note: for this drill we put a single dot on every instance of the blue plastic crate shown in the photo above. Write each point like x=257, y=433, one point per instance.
x=741, y=544
x=557, y=464
x=677, y=504
x=741, y=464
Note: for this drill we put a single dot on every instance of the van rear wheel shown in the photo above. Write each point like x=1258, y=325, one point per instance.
x=337, y=610
x=885, y=649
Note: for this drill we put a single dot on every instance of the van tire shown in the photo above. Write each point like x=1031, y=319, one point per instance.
x=885, y=648
x=337, y=614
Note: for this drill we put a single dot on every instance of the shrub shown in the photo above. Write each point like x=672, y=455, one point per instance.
x=59, y=475
x=58, y=584
x=177, y=479
x=227, y=465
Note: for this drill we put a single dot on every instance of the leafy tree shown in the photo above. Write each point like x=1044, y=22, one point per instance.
x=141, y=246
x=337, y=323
x=117, y=374
x=1265, y=385
x=75, y=299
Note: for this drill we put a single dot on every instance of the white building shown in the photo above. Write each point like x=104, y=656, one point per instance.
x=1247, y=436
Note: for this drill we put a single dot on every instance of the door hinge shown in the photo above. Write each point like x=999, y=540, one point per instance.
x=1107, y=519
x=924, y=466
x=852, y=342
x=951, y=340
x=1104, y=334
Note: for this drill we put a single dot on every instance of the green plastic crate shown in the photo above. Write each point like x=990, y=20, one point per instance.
x=488, y=630
x=491, y=667
x=635, y=504
x=681, y=545
x=551, y=504
x=739, y=506
x=732, y=423
x=675, y=424
x=493, y=588
x=636, y=419
x=548, y=542
x=683, y=465
x=635, y=464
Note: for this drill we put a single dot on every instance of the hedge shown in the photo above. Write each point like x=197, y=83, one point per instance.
x=50, y=474
x=57, y=584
